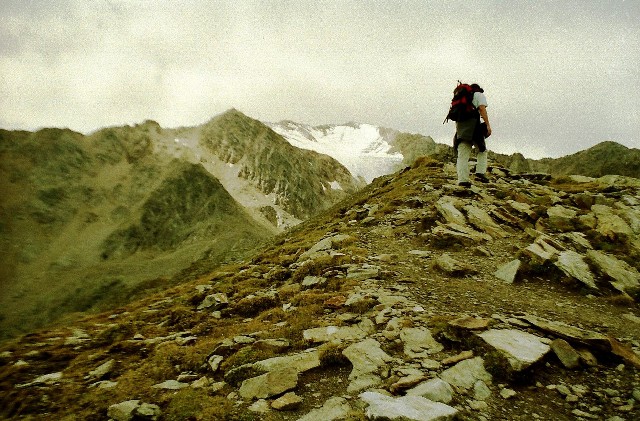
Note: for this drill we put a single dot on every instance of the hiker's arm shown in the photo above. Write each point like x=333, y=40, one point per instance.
x=485, y=118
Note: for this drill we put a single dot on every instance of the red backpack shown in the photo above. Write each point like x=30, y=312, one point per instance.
x=462, y=104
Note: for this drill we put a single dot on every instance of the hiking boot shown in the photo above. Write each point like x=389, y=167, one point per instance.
x=481, y=178
x=464, y=184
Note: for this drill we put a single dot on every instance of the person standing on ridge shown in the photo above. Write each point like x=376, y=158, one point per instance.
x=468, y=106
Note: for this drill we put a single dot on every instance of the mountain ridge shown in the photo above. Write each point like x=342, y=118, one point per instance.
x=394, y=297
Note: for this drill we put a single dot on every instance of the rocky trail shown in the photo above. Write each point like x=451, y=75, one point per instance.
x=415, y=300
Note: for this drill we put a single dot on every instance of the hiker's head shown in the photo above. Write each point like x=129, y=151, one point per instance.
x=476, y=88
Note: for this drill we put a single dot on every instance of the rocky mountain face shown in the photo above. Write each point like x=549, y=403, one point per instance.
x=302, y=181
x=413, y=299
x=88, y=222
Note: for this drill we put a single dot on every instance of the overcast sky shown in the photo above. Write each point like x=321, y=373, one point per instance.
x=560, y=76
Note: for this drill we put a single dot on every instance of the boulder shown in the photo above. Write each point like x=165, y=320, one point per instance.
x=521, y=349
x=573, y=265
x=625, y=278
x=561, y=218
x=610, y=225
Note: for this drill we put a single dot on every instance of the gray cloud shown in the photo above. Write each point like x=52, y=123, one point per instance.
x=560, y=76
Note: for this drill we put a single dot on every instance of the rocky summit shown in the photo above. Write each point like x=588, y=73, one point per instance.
x=414, y=299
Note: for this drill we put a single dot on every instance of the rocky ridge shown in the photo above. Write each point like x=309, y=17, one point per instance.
x=414, y=300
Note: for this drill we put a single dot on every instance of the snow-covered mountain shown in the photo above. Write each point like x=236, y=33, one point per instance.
x=367, y=151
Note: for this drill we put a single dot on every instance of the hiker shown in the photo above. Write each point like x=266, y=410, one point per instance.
x=471, y=132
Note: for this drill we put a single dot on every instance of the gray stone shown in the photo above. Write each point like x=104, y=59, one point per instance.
x=78, y=337
x=464, y=375
x=214, y=362
x=214, y=302
x=568, y=356
x=451, y=266
x=362, y=272
x=170, y=385
x=101, y=371
x=323, y=246
x=334, y=409
x=481, y=391
x=368, y=359
x=300, y=362
x=507, y=393
x=481, y=219
x=611, y=225
x=147, y=411
x=561, y=218
x=521, y=349
x=134, y=409
x=45, y=379
x=123, y=411
x=455, y=233
x=446, y=206
x=544, y=249
x=574, y=266
x=269, y=384
x=406, y=408
x=508, y=271
x=419, y=343
x=313, y=282
x=626, y=279
x=344, y=333
x=287, y=402
x=436, y=390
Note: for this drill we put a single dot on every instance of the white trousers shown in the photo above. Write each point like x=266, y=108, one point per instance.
x=462, y=164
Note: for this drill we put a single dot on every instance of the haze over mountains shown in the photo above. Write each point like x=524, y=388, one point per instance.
x=90, y=222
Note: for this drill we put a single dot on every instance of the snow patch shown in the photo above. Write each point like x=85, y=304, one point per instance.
x=362, y=148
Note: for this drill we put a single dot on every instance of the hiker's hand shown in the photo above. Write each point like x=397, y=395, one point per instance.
x=488, y=130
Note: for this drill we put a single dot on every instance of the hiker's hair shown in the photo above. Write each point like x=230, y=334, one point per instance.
x=476, y=88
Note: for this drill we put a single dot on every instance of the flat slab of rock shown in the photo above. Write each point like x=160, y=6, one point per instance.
x=521, y=349
x=405, y=408
x=270, y=384
x=300, y=362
